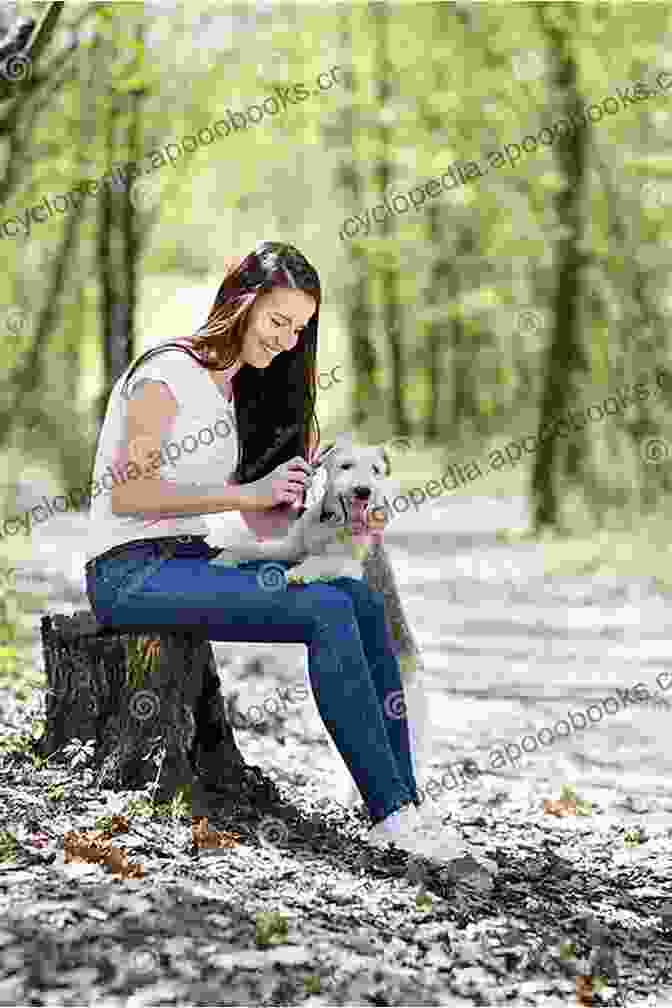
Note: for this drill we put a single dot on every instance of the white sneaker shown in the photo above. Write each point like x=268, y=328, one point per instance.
x=408, y=830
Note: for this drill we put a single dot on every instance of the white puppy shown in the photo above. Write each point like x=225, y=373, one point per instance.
x=320, y=545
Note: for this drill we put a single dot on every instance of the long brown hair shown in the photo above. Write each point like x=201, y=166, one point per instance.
x=275, y=407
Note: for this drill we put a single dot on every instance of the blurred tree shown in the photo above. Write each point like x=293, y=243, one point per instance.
x=19, y=84
x=365, y=395
x=442, y=278
x=119, y=235
x=386, y=112
x=565, y=358
x=22, y=79
x=417, y=91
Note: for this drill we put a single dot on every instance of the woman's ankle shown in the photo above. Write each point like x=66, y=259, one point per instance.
x=398, y=815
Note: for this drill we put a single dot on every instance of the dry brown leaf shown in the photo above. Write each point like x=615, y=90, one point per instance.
x=206, y=838
x=584, y=989
x=119, y=824
x=560, y=807
x=95, y=847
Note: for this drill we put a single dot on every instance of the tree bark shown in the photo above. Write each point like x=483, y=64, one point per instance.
x=130, y=228
x=107, y=272
x=392, y=311
x=153, y=704
x=566, y=358
x=33, y=52
x=441, y=257
x=641, y=315
x=366, y=396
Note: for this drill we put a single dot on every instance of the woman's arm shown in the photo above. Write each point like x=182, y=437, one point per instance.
x=150, y=415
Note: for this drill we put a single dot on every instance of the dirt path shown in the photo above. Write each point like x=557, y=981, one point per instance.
x=508, y=653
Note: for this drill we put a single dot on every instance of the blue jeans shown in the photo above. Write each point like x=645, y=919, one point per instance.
x=351, y=664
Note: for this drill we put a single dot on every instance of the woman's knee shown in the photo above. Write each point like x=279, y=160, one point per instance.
x=335, y=605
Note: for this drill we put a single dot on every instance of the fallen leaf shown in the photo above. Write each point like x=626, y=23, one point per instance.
x=584, y=990
x=561, y=807
x=119, y=824
x=567, y=804
x=95, y=847
x=211, y=839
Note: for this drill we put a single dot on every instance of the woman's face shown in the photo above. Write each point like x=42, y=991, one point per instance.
x=275, y=323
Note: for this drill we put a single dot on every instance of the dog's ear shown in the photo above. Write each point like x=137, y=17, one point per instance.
x=342, y=443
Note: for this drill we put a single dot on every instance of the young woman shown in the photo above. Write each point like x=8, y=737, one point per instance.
x=234, y=409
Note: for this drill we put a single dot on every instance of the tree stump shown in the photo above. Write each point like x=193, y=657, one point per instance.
x=139, y=696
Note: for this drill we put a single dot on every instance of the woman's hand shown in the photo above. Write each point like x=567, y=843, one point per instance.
x=284, y=485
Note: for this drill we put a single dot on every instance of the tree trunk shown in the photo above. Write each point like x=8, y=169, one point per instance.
x=392, y=312
x=366, y=397
x=566, y=357
x=130, y=229
x=141, y=696
x=465, y=406
x=27, y=379
x=107, y=273
x=641, y=315
x=33, y=52
x=435, y=327
x=439, y=245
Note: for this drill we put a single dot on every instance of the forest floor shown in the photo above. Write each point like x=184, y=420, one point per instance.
x=508, y=650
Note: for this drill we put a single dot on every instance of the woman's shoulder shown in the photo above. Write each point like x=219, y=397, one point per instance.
x=172, y=356
x=169, y=364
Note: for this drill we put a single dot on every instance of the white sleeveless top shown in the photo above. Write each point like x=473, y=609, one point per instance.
x=203, y=442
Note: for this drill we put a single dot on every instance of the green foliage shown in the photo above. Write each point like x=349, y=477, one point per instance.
x=16, y=744
x=180, y=806
x=140, y=807
x=79, y=753
x=9, y=846
x=440, y=85
x=424, y=901
x=271, y=928
x=568, y=794
x=568, y=951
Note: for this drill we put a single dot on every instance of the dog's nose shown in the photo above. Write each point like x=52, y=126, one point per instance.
x=362, y=492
